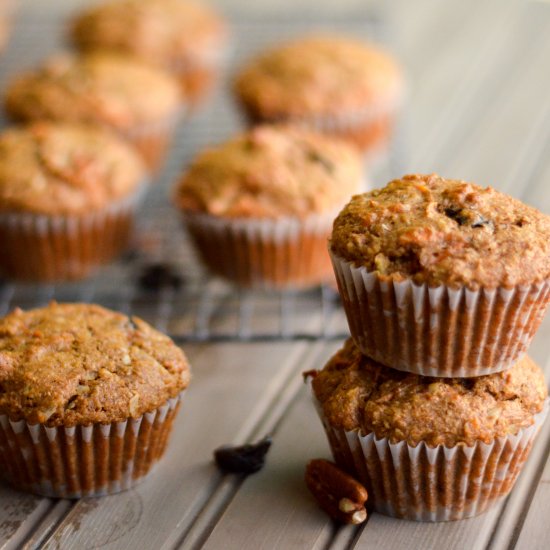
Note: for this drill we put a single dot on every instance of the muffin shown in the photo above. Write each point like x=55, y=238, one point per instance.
x=259, y=207
x=442, y=277
x=139, y=102
x=87, y=399
x=68, y=194
x=334, y=84
x=184, y=38
x=429, y=449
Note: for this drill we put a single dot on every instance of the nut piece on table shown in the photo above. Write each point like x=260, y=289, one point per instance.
x=339, y=495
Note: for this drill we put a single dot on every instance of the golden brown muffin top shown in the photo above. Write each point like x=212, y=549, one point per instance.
x=356, y=393
x=271, y=172
x=442, y=231
x=160, y=31
x=95, y=88
x=52, y=169
x=78, y=364
x=319, y=75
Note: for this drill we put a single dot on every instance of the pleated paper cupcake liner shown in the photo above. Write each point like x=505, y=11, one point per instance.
x=35, y=247
x=84, y=461
x=253, y=253
x=432, y=483
x=153, y=140
x=369, y=129
x=439, y=331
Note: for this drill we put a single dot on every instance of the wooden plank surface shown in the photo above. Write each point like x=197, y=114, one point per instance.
x=478, y=107
x=534, y=532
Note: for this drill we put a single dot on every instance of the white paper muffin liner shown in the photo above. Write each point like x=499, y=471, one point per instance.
x=432, y=483
x=84, y=461
x=368, y=128
x=264, y=253
x=439, y=331
x=38, y=247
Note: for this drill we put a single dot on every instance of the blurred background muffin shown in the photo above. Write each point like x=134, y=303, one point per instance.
x=88, y=403
x=259, y=207
x=138, y=101
x=68, y=195
x=183, y=37
x=335, y=84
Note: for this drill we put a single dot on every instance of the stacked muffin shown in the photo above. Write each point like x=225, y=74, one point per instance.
x=433, y=404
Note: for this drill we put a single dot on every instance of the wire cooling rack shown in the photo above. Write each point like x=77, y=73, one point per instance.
x=200, y=307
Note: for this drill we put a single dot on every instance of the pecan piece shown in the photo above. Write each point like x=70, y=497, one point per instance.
x=339, y=495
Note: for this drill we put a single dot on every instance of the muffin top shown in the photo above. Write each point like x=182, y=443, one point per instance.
x=96, y=88
x=356, y=393
x=52, y=169
x=160, y=31
x=319, y=75
x=440, y=231
x=77, y=364
x=271, y=172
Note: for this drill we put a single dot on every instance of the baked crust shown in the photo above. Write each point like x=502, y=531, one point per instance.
x=442, y=231
x=95, y=88
x=79, y=364
x=356, y=393
x=271, y=172
x=320, y=76
x=160, y=31
x=60, y=169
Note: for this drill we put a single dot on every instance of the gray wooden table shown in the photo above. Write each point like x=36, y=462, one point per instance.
x=479, y=109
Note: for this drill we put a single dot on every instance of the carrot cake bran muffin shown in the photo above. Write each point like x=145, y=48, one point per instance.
x=103, y=89
x=259, y=207
x=429, y=448
x=68, y=194
x=335, y=84
x=185, y=38
x=442, y=277
x=87, y=398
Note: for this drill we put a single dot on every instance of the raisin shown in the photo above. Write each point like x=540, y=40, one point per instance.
x=158, y=276
x=456, y=215
x=244, y=459
x=314, y=156
x=467, y=383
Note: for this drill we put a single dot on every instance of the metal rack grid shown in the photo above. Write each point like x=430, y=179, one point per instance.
x=202, y=308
